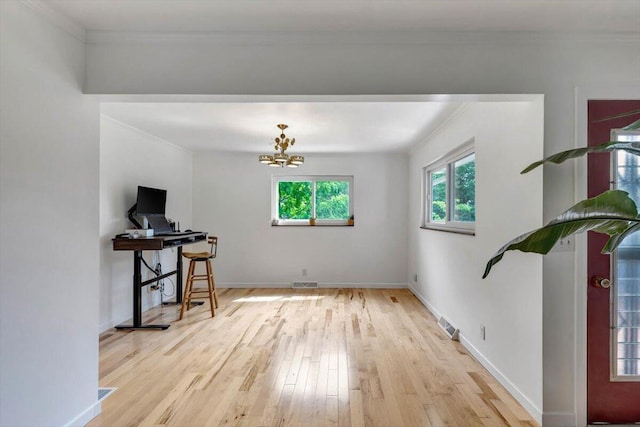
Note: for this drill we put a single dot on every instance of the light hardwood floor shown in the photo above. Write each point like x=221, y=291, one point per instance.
x=279, y=357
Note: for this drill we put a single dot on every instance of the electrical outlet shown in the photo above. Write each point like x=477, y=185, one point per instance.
x=415, y=278
x=566, y=244
x=304, y=272
x=482, y=332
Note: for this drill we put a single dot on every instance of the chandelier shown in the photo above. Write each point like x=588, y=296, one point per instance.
x=280, y=158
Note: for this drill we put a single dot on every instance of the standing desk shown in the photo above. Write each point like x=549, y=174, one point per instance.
x=156, y=243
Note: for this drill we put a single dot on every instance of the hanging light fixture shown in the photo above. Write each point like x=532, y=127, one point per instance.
x=281, y=159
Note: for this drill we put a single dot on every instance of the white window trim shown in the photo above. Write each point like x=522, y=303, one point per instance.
x=313, y=178
x=445, y=162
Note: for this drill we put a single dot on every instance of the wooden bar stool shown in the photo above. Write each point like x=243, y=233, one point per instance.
x=195, y=293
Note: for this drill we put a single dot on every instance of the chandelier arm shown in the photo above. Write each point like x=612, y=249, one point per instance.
x=280, y=159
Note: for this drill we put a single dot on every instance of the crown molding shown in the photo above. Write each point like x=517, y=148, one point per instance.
x=56, y=18
x=358, y=38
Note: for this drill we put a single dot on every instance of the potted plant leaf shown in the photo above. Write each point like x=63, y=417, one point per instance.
x=612, y=212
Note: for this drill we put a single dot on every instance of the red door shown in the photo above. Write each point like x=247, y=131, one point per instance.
x=611, y=397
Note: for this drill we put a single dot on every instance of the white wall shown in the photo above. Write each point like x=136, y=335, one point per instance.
x=553, y=65
x=508, y=303
x=128, y=158
x=49, y=226
x=231, y=199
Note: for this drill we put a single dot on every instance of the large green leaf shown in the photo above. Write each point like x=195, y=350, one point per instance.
x=616, y=239
x=631, y=147
x=612, y=212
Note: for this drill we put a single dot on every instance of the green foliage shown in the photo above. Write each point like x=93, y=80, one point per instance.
x=630, y=147
x=332, y=200
x=613, y=213
x=294, y=200
x=439, y=195
x=438, y=211
x=465, y=212
x=465, y=192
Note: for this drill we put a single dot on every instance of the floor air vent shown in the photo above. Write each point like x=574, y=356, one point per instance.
x=448, y=328
x=305, y=285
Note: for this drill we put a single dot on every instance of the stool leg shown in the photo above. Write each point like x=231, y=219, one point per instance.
x=210, y=287
x=213, y=286
x=186, y=299
x=192, y=280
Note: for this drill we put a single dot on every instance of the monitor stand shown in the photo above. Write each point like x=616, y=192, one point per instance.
x=130, y=214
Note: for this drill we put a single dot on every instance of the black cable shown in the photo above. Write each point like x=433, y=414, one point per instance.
x=147, y=265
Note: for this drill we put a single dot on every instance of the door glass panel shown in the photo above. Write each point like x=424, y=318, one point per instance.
x=626, y=273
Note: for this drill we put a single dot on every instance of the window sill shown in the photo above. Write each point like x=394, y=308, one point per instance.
x=447, y=229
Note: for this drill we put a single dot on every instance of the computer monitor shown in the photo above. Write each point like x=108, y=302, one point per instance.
x=151, y=201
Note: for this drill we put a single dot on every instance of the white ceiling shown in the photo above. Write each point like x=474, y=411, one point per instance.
x=352, y=15
x=319, y=127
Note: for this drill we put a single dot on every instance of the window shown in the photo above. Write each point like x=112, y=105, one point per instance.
x=297, y=199
x=625, y=298
x=450, y=192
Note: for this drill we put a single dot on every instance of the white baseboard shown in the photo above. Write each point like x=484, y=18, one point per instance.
x=87, y=415
x=533, y=410
x=558, y=419
x=424, y=302
x=320, y=285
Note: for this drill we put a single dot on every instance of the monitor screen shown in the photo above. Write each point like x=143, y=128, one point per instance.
x=151, y=201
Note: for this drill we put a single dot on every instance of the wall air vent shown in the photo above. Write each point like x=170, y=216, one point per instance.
x=305, y=285
x=448, y=328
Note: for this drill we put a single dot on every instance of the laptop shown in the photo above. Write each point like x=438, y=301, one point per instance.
x=160, y=225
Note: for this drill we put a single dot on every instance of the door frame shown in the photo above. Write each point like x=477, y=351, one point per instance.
x=582, y=95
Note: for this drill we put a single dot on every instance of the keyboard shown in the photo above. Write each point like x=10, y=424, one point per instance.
x=175, y=233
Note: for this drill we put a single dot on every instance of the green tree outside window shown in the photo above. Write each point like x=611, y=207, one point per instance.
x=294, y=199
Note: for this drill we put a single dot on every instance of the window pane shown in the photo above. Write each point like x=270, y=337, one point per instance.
x=464, y=189
x=294, y=200
x=332, y=200
x=627, y=273
x=439, y=195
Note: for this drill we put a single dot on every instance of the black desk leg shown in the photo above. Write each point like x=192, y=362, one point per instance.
x=179, y=277
x=137, y=297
